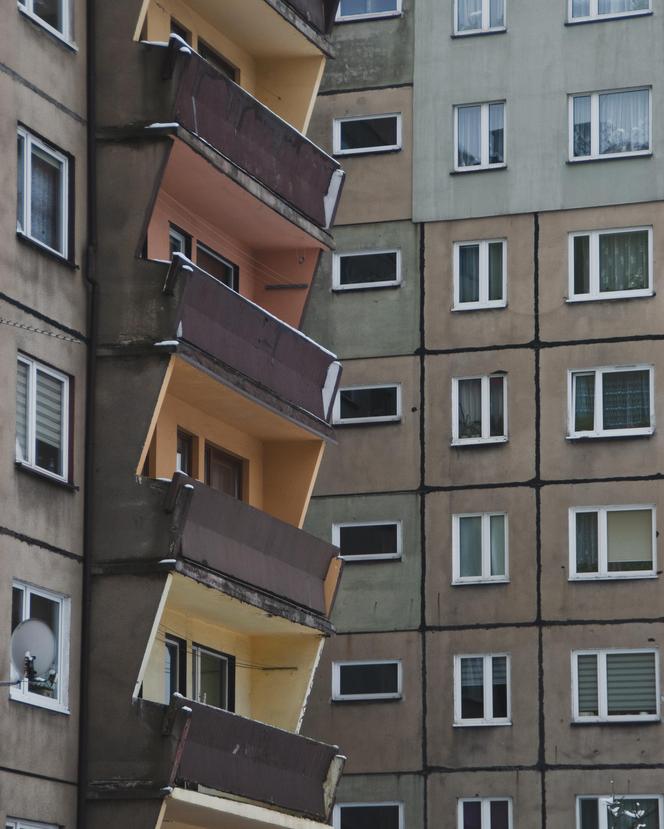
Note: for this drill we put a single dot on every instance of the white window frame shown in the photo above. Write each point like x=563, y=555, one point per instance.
x=336, y=680
x=486, y=411
x=196, y=651
x=605, y=799
x=595, y=15
x=602, y=687
x=598, y=431
x=484, y=301
x=486, y=810
x=486, y=27
x=31, y=416
x=336, y=814
x=336, y=412
x=484, y=138
x=347, y=18
x=18, y=823
x=383, y=148
x=486, y=549
x=594, y=125
x=593, y=247
x=336, y=270
x=26, y=7
x=20, y=692
x=30, y=141
x=487, y=676
x=603, y=571
x=336, y=539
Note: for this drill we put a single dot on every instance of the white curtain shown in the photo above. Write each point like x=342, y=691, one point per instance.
x=580, y=8
x=497, y=13
x=469, y=128
x=582, y=145
x=623, y=261
x=618, y=6
x=496, y=133
x=624, y=121
x=470, y=15
x=470, y=408
x=45, y=199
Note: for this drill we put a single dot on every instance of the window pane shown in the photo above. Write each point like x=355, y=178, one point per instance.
x=582, y=145
x=587, y=684
x=47, y=611
x=217, y=266
x=472, y=688
x=469, y=273
x=499, y=690
x=470, y=408
x=50, y=12
x=497, y=535
x=472, y=814
x=20, y=183
x=17, y=607
x=350, y=7
x=582, y=264
x=370, y=132
x=213, y=678
x=22, y=376
x=626, y=399
x=500, y=811
x=48, y=423
x=215, y=59
x=470, y=546
x=46, y=199
x=382, y=678
x=628, y=813
x=495, y=270
x=624, y=121
x=371, y=540
x=621, y=6
x=496, y=133
x=631, y=684
x=185, y=453
x=470, y=15
x=623, y=261
x=584, y=402
x=497, y=13
x=170, y=669
x=629, y=543
x=496, y=406
x=223, y=472
x=371, y=402
x=369, y=817
x=469, y=138
x=367, y=268
x=589, y=810
x=587, y=560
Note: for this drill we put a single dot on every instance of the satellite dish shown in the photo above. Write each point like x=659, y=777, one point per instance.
x=35, y=638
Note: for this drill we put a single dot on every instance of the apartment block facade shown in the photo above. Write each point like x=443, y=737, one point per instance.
x=495, y=489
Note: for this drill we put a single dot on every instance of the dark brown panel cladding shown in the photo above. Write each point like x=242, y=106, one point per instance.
x=318, y=13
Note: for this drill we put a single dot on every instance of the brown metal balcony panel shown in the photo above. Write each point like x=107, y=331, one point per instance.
x=318, y=13
x=242, y=542
x=239, y=333
x=256, y=140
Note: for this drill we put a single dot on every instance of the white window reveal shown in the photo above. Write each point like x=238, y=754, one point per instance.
x=479, y=545
x=482, y=689
x=368, y=404
x=377, y=679
x=366, y=269
x=383, y=815
x=609, y=124
x=610, y=264
x=53, y=15
x=367, y=134
x=479, y=274
x=615, y=685
x=611, y=402
x=368, y=541
x=618, y=811
x=580, y=10
x=485, y=813
x=479, y=411
x=479, y=136
x=612, y=542
x=476, y=16
x=364, y=9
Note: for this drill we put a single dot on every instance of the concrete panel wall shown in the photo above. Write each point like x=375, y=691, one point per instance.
x=32, y=799
x=405, y=788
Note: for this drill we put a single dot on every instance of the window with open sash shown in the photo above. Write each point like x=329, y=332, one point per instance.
x=615, y=685
x=482, y=689
x=368, y=404
x=609, y=124
x=479, y=411
x=479, y=546
x=479, y=131
x=619, y=812
x=612, y=542
x=611, y=401
x=485, y=813
x=367, y=134
x=366, y=269
x=479, y=274
x=477, y=16
x=610, y=264
x=360, y=9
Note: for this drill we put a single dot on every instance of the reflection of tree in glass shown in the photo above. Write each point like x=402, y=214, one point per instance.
x=628, y=813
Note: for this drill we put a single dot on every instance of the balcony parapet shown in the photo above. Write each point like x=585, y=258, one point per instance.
x=318, y=13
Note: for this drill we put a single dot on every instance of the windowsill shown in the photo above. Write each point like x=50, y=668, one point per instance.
x=480, y=724
x=479, y=582
x=366, y=151
x=631, y=433
x=648, y=720
x=57, y=36
x=629, y=576
x=612, y=297
x=365, y=700
x=367, y=422
x=494, y=168
x=358, y=18
x=33, y=243
x=35, y=701
x=45, y=476
x=479, y=442
x=365, y=286
x=611, y=157
x=467, y=307
x=606, y=17
x=479, y=33
x=369, y=559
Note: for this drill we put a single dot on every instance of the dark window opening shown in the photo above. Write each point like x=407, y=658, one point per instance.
x=214, y=678
x=223, y=471
x=372, y=402
x=369, y=133
x=375, y=816
x=369, y=679
x=214, y=264
x=218, y=61
x=368, y=268
x=369, y=540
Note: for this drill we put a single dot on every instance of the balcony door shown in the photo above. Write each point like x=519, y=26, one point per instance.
x=214, y=677
x=223, y=471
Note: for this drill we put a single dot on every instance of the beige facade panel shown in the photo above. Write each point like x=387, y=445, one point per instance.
x=394, y=726
x=31, y=799
x=378, y=184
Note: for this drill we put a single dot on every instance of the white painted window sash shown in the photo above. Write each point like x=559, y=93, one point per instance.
x=595, y=14
x=598, y=413
x=595, y=125
x=336, y=537
x=336, y=270
x=336, y=680
x=486, y=575
x=484, y=137
x=484, y=275
x=27, y=7
x=336, y=134
x=336, y=414
x=487, y=690
x=485, y=25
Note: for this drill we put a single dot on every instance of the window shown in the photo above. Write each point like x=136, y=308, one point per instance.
x=181, y=31
x=612, y=542
x=367, y=134
x=482, y=690
x=606, y=402
x=42, y=418
x=610, y=264
x=479, y=136
x=49, y=689
x=16, y=823
x=184, y=461
x=485, y=813
x=222, y=269
x=368, y=269
x=175, y=667
x=479, y=274
x=368, y=404
x=377, y=679
x=619, y=812
x=214, y=678
x=360, y=9
x=474, y=16
x=592, y=9
x=53, y=15
x=179, y=241
x=371, y=541
x=42, y=194
x=609, y=124
x=215, y=59
x=479, y=413
x=615, y=685
x=479, y=544
x=223, y=471
x=387, y=815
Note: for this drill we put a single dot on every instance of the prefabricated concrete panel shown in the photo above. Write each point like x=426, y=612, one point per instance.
x=407, y=789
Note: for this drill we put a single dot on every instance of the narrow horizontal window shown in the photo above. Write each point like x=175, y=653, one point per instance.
x=612, y=542
x=474, y=16
x=482, y=690
x=479, y=274
x=594, y=9
x=386, y=815
x=17, y=823
x=609, y=124
x=479, y=131
x=359, y=9
x=610, y=264
x=379, y=679
x=368, y=404
x=479, y=410
x=479, y=546
x=485, y=813
x=53, y=15
x=615, y=685
x=619, y=812
x=373, y=541
x=368, y=269
x=611, y=402
x=367, y=134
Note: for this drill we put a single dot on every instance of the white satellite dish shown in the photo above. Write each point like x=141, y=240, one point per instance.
x=35, y=639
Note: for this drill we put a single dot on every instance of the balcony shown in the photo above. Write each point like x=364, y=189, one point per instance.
x=318, y=13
